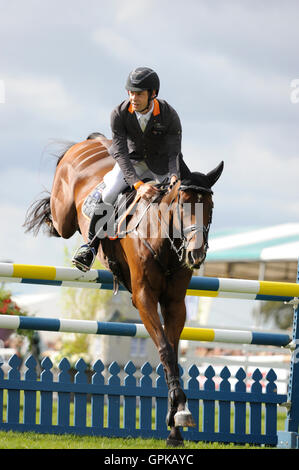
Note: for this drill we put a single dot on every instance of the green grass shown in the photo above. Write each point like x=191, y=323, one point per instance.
x=31, y=440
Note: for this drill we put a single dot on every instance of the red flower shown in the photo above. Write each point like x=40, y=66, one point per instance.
x=8, y=306
x=4, y=309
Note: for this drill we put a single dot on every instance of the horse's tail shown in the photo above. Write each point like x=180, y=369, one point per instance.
x=39, y=216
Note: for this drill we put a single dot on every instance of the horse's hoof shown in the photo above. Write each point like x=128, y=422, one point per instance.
x=184, y=418
x=170, y=419
x=174, y=442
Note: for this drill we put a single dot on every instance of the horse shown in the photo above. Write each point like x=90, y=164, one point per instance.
x=155, y=269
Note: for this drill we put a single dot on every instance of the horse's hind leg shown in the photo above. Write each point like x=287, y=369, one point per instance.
x=64, y=215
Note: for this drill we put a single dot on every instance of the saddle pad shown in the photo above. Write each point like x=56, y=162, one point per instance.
x=91, y=200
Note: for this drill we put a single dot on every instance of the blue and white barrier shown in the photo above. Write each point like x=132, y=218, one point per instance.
x=138, y=330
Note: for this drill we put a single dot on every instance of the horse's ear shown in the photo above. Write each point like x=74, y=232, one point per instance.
x=182, y=168
x=215, y=174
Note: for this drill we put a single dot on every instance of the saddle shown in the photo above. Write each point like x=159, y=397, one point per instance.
x=123, y=213
x=124, y=208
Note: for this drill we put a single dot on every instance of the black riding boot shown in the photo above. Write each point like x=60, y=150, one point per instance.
x=84, y=257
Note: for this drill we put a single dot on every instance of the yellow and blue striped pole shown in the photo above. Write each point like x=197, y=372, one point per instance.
x=100, y=279
x=138, y=330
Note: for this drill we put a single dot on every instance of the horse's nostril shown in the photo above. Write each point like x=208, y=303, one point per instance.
x=190, y=258
x=195, y=258
x=196, y=266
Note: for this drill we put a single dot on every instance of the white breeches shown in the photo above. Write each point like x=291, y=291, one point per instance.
x=115, y=182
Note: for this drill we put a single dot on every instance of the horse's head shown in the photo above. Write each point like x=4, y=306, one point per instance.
x=193, y=216
x=182, y=217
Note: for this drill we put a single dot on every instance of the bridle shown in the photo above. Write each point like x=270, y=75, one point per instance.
x=193, y=229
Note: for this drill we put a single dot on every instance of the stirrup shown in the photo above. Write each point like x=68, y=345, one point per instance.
x=83, y=262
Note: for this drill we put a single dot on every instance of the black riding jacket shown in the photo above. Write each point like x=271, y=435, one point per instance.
x=159, y=145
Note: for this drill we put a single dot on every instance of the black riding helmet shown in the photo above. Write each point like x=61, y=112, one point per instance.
x=143, y=78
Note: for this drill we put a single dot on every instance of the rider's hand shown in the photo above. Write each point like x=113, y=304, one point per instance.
x=173, y=181
x=147, y=191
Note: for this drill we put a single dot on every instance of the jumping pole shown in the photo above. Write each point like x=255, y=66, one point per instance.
x=101, y=279
x=138, y=330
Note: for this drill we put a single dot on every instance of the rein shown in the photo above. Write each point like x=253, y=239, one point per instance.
x=193, y=229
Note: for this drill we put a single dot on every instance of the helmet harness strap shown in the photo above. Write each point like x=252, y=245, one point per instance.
x=150, y=99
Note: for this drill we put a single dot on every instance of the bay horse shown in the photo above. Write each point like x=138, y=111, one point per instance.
x=156, y=270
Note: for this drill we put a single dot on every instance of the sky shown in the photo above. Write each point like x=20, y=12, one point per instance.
x=230, y=69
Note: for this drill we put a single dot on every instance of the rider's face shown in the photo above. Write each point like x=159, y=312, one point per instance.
x=139, y=100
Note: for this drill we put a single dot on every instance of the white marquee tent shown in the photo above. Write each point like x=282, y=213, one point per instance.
x=269, y=253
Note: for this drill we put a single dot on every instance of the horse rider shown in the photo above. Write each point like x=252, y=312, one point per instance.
x=146, y=143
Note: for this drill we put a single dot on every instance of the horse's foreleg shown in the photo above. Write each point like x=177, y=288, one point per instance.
x=147, y=306
x=146, y=303
x=174, y=314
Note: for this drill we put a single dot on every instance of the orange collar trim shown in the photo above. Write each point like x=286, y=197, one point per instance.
x=156, y=109
x=130, y=109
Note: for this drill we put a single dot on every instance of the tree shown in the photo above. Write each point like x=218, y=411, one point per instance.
x=278, y=312
x=9, y=307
